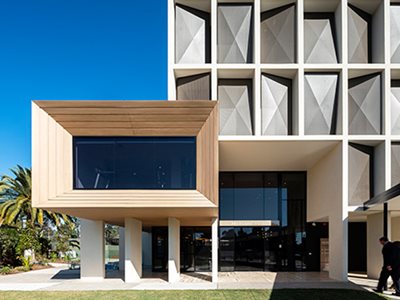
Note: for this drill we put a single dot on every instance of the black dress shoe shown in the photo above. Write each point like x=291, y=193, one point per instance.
x=396, y=294
x=378, y=291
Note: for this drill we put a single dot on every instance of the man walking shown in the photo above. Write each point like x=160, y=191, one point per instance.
x=391, y=266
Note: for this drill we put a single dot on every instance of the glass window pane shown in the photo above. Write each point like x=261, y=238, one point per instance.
x=271, y=197
x=226, y=196
x=249, y=203
x=135, y=163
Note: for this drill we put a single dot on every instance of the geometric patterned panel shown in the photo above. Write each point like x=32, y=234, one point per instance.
x=192, y=31
x=321, y=102
x=319, y=43
x=395, y=33
x=359, y=176
x=275, y=103
x=365, y=105
x=235, y=105
x=278, y=35
x=195, y=87
x=395, y=107
x=358, y=23
x=235, y=33
x=395, y=164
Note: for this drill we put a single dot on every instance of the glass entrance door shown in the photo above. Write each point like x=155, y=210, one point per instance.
x=249, y=248
x=195, y=249
x=160, y=248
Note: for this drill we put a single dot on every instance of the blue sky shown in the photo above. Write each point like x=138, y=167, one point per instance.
x=75, y=49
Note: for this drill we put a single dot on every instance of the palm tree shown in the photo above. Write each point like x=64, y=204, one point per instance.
x=16, y=199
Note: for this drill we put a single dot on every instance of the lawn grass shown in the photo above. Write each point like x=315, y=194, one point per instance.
x=281, y=294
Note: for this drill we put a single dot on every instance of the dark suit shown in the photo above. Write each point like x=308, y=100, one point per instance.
x=391, y=257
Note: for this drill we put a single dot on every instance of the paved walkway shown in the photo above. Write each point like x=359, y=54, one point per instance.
x=62, y=279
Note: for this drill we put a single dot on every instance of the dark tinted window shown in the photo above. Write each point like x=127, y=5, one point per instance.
x=135, y=163
x=262, y=196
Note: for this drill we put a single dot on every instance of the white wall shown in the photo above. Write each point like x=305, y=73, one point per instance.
x=324, y=186
x=374, y=255
x=325, y=202
x=395, y=232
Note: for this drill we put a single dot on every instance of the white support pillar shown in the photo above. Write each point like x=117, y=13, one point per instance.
x=374, y=249
x=133, y=250
x=338, y=248
x=92, y=250
x=121, y=249
x=174, y=263
x=214, y=249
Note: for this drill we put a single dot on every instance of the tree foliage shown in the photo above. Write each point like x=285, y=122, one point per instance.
x=16, y=202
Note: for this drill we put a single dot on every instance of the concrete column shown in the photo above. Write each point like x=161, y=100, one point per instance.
x=121, y=249
x=338, y=248
x=92, y=250
x=374, y=249
x=174, y=263
x=133, y=250
x=214, y=249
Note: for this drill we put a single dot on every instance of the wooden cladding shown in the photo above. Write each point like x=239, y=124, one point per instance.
x=54, y=123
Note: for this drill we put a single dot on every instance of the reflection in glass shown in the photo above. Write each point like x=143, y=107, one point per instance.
x=135, y=163
x=227, y=249
x=275, y=196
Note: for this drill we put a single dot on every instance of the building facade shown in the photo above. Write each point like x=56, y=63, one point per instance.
x=283, y=122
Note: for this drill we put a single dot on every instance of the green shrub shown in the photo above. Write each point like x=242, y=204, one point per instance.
x=22, y=269
x=53, y=256
x=5, y=270
x=8, y=243
x=26, y=263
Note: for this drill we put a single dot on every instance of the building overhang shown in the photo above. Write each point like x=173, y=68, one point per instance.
x=273, y=153
x=55, y=123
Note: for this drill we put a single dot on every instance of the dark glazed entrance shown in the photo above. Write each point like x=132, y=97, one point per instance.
x=195, y=247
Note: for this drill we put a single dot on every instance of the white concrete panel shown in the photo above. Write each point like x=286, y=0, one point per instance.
x=378, y=34
x=235, y=31
x=365, y=106
x=214, y=249
x=324, y=186
x=235, y=112
x=191, y=37
x=133, y=250
x=320, y=100
x=395, y=33
x=395, y=164
x=274, y=107
x=357, y=37
x=359, y=176
x=173, y=250
x=278, y=36
x=319, y=44
x=379, y=178
x=395, y=109
x=92, y=250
